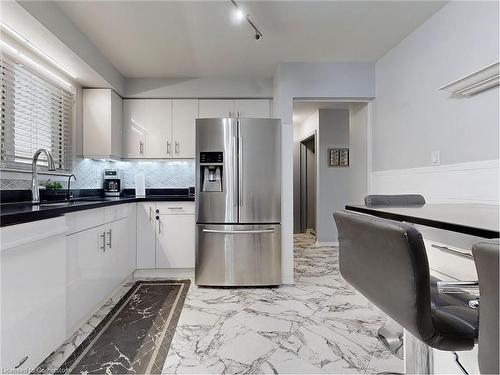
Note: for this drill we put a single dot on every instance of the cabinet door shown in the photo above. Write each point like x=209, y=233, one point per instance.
x=158, y=128
x=117, y=247
x=146, y=235
x=116, y=125
x=134, y=132
x=96, y=117
x=184, y=115
x=216, y=108
x=88, y=279
x=33, y=304
x=175, y=241
x=255, y=108
x=132, y=237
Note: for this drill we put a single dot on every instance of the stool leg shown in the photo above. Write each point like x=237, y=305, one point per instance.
x=391, y=336
x=418, y=356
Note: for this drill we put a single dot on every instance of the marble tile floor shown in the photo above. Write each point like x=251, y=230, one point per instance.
x=319, y=325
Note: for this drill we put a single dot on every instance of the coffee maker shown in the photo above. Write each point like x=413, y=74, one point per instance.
x=112, y=182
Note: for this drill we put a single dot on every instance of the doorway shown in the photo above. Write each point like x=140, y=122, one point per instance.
x=308, y=185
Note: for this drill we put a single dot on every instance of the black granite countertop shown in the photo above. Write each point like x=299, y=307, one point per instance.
x=480, y=220
x=12, y=213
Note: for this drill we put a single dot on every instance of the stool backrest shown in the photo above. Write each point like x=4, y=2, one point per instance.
x=486, y=257
x=394, y=200
x=386, y=261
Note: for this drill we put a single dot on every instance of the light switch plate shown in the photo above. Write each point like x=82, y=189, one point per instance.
x=435, y=158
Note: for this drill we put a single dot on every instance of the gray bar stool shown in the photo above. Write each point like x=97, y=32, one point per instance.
x=486, y=257
x=391, y=334
x=386, y=261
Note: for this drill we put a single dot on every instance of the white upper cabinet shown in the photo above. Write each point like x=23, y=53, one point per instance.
x=159, y=128
x=147, y=128
x=102, y=123
x=247, y=108
x=134, y=138
x=184, y=115
x=253, y=108
x=216, y=108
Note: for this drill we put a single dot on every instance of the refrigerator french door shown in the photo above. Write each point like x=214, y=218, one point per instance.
x=238, y=202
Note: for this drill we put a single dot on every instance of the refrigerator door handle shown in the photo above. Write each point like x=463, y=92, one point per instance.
x=252, y=231
x=240, y=170
x=235, y=171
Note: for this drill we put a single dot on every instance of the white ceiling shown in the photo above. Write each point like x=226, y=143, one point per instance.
x=198, y=39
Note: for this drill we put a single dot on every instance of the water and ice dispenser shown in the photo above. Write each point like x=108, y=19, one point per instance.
x=211, y=167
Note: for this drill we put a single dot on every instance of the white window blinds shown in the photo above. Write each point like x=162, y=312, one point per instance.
x=34, y=114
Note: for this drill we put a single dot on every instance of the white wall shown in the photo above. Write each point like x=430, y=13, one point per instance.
x=359, y=147
x=333, y=182
x=307, y=127
x=217, y=87
x=412, y=118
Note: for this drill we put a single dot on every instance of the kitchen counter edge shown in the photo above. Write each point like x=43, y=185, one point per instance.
x=14, y=218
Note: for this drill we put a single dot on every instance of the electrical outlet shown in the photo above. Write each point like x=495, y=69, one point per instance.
x=435, y=158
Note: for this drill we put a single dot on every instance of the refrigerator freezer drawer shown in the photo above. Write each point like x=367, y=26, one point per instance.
x=238, y=255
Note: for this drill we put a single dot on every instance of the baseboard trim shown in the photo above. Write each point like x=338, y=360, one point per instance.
x=327, y=243
x=172, y=273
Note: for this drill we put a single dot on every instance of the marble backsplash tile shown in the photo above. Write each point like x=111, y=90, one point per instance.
x=158, y=174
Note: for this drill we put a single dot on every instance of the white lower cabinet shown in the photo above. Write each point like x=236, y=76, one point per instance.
x=146, y=257
x=175, y=241
x=87, y=278
x=98, y=260
x=165, y=235
x=33, y=298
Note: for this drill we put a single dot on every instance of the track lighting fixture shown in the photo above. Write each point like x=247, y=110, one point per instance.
x=239, y=15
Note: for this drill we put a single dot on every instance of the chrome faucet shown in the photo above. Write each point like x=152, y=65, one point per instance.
x=35, y=192
x=68, y=195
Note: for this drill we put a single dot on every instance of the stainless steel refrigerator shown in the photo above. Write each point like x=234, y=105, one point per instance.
x=238, y=202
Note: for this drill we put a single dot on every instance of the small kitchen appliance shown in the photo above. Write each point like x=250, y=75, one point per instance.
x=112, y=182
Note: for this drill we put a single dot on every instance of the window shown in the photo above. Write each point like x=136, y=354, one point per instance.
x=34, y=114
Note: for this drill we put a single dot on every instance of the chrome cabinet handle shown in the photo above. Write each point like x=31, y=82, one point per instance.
x=141, y=147
x=252, y=231
x=448, y=250
x=240, y=170
x=177, y=147
x=230, y=114
x=103, y=238
x=21, y=362
x=238, y=114
x=150, y=213
x=110, y=234
x=168, y=148
x=450, y=287
x=175, y=208
x=159, y=224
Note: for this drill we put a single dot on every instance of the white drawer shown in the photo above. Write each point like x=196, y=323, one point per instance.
x=112, y=213
x=22, y=234
x=175, y=208
x=443, y=260
x=81, y=220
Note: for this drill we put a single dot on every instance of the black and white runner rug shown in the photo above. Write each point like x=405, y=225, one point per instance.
x=135, y=335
